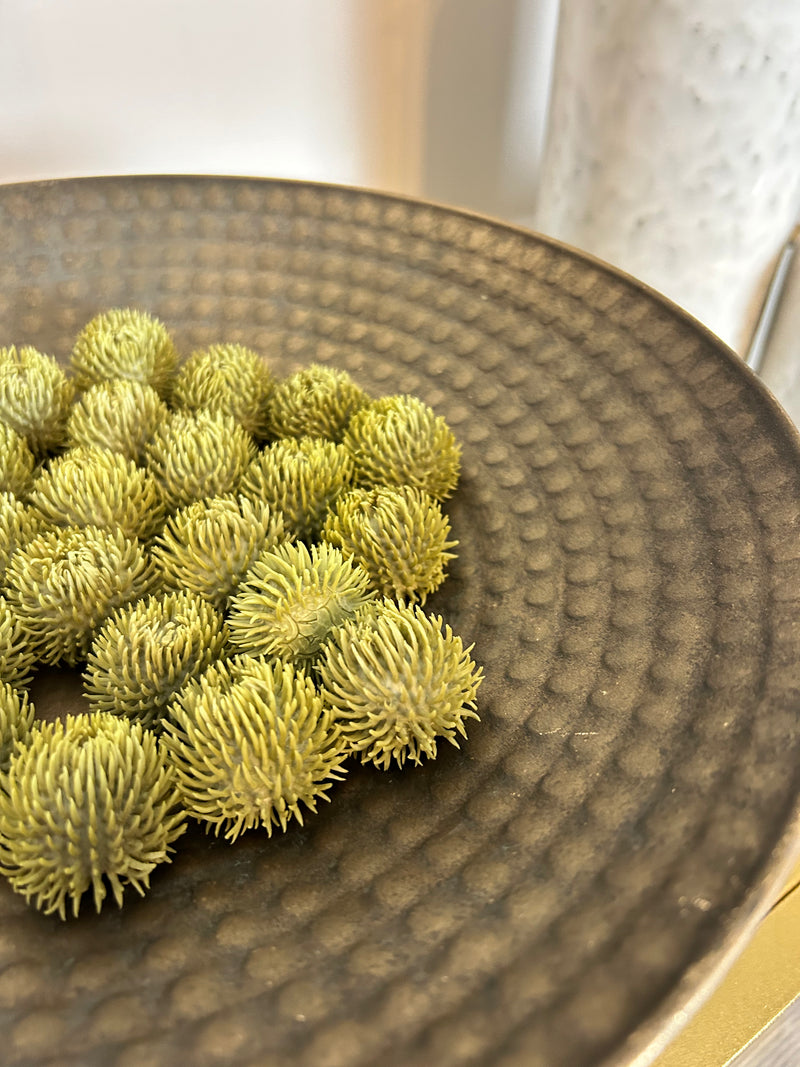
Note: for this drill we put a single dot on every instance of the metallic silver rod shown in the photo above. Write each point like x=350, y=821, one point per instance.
x=758, y=342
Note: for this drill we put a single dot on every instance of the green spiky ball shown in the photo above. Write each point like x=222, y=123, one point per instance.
x=194, y=455
x=207, y=546
x=125, y=343
x=17, y=714
x=315, y=402
x=302, y=479
x=119, y=415
x=292, y=597
x=18, y=525
x=17, y=462
x=228, y=380
x=88, y=805
x=399, y=535
x=65, y=582
x=18, y=652
x=252, y=743
x=143, y=654
x=94, y=487
x=35, y=396
x=398, y=683
x=399, y=440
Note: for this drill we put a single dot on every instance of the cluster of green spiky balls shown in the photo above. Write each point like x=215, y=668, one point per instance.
x=239, y=564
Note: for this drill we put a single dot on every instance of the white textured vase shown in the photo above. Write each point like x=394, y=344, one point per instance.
x=673, y=146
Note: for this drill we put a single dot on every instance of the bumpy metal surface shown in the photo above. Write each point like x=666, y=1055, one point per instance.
x=629, y=571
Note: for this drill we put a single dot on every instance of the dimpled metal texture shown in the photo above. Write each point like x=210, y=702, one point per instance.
x=561, y=890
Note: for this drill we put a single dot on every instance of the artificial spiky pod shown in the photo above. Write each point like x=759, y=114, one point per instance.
x=35, y=396
x=198, y=454
x=228, y=380
x=252, y=741
x=315, y=402
x=16, y=721
x=18, y=525
x=207, y=546
x=145, y=652
x=119, y=415
x=301, y=478
x=18, y=654
x=94, y=487
x=125, y=343
x=397, y=683
x=399, y=440
x=398, y=535
x=17, y=462
x=292, y=597
x=65, y=582
x=88, y=804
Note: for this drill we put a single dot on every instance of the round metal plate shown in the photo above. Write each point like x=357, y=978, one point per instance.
x=562, y=889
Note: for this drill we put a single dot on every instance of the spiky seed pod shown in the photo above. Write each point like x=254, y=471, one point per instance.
x=207, y=546
x=35, y=396
x=18, y=525
x=65, y=582
x=94, y=487
x=397, y=683
x=16, y=721
x=125, y=343
x=198, y=454
x=398, y=535
x=228, y=380
x=251, y=742
x=18, y=653
x=315, y=402
x=301, y=478
x=292, y=597
x=119, y=415
x=399, y=440
x=17, y=462
x=89, y=803
x=145, y=652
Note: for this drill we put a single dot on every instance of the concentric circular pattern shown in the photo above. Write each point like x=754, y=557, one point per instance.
x=629, y=571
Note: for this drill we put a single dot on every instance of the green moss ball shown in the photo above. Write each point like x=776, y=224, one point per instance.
x=64, y=583
x=399, y=535
x=301, y=479
x=252, y=744
x=119, y=415
x=17, y=462
x=125, y=343
x=207, y=546
x=398, y=683
x=94, y=487
x=228, y=380
x=35, y=396
x=18, y=651
x=292, y=597
x=88, y=805
x=315, y=402
x=18, y=525
x=399, y=440
x=16, y=721
x=194, y=455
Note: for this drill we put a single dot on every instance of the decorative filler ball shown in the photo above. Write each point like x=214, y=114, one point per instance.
x=119, y=415
x=125, y=343
x=65, y=582
x=292, y=597
x=88, y=804
x=18, y=654
x=301, y=478
x=145, y=652
x=252, y=743
x=315, y=402
x=35, y=395
x=94, y=487
x=17, y=462
x=228, y=380
x=16, y=721
x=207, y=546
x=399, y=535
x=18, y=525
x=194, y=455
x=398, y=683
x=399, y=440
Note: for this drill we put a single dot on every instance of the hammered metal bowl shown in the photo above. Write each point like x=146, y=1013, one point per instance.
x=563, y=890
